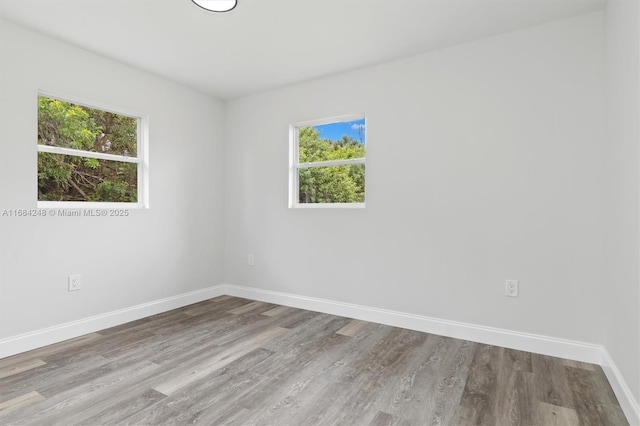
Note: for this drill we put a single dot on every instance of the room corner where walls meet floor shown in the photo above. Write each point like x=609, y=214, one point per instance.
x=545, y=345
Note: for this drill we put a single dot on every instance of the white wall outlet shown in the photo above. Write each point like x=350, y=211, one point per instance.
x=250, y=260
x=75, y=281
x=511, y=289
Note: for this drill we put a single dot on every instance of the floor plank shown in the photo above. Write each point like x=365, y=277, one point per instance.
x=553, y=415
x=551, y=383
x=249, y=307
x=278, y=310
x=352, y=328
x=594, y=399
x=385, y=419
x=19, y=367
x=19, y=402
x=479, y=399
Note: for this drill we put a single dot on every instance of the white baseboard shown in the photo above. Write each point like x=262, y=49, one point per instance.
x=58, y=333
x=562, y=348
x=569, y=349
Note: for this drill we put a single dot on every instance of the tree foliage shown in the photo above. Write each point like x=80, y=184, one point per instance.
x=330, y=184
x=76, y=178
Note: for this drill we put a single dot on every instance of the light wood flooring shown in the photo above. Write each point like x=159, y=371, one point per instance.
x=240, y=362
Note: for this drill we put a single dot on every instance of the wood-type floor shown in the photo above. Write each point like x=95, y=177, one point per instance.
x=240, y=362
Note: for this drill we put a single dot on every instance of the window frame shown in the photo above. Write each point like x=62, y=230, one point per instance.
x=295, y=165
x=141, y=159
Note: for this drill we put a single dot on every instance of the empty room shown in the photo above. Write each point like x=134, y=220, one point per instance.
x=320, y=212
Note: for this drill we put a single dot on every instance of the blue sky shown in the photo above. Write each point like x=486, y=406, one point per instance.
x=334, y=131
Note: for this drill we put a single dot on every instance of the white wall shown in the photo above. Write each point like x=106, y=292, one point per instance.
x=621, y=286
x=172, y=248
x=483, y=164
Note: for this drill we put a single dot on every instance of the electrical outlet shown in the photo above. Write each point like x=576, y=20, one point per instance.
x=250, y=260
x=511, y=289
x=75, y=280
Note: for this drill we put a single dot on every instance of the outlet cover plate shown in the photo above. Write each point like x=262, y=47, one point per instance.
x=75, y=280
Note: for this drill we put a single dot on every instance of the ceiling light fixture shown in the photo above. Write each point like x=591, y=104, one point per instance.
x=216, y=5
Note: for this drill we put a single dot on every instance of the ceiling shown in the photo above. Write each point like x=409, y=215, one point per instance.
x=263, y=44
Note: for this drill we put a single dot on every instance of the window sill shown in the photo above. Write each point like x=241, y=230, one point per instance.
x=328, y=206
x=88, y=205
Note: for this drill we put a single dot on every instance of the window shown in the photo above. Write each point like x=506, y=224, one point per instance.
x=327, y=163
x=89, y=156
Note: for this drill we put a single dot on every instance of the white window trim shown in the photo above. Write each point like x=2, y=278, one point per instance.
x=294, y=165
x=142, y=158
